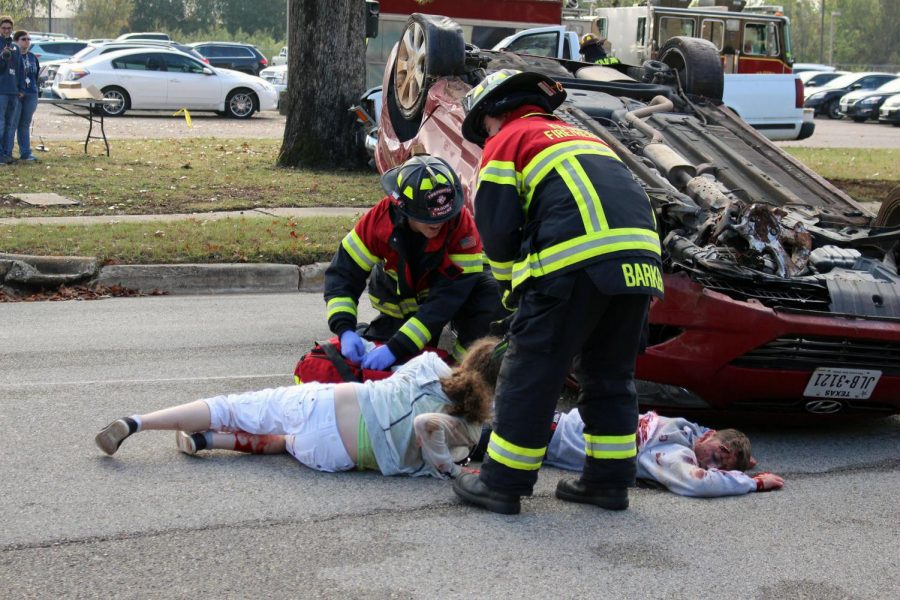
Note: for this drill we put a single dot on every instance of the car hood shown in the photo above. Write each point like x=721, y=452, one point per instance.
x=857, y=95
x=237, y=76
x=273, y=70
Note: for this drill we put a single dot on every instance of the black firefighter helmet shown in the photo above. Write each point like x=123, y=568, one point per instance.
x=506, y=90
x=425, y=189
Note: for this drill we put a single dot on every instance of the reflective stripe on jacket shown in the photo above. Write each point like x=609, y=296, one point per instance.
x=423, y=282
x=552, y=197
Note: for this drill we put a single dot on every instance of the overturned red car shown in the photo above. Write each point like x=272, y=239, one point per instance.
x=782, y=292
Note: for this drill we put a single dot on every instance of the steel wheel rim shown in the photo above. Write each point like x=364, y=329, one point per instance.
x=409, y=74
x=119, y=97
x=241, y=105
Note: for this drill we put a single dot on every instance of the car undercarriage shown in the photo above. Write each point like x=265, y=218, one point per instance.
x=775, y=279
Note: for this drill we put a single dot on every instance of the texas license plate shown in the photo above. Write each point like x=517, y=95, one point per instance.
x=852, y=384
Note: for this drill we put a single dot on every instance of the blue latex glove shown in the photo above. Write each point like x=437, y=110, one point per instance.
x=379, y=359
x=352, y=346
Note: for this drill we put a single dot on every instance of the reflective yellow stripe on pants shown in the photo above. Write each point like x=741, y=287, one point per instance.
x=610, y=446
x=515, y=457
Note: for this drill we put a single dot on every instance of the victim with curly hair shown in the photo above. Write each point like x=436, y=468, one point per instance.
x=422, y=420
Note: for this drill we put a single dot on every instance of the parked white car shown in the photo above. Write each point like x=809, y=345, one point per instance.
x=163, y=79
x=277, y=76
x=281, y=59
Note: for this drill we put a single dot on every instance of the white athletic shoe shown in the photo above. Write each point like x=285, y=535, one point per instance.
x=185, y=442
x=112, y=436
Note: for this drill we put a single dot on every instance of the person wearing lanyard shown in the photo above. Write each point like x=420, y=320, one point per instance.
x=12, y=82
x=28, y=101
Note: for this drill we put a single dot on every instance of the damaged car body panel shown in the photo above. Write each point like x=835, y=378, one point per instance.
x=782, y=292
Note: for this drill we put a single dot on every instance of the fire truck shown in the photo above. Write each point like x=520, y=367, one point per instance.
x=749, y=42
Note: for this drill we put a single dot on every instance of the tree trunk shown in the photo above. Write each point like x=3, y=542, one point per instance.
x=326, y=75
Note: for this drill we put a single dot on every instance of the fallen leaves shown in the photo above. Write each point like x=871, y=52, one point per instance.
x=76, y=292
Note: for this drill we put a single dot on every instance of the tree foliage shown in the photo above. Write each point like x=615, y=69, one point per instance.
x=102, y=18
x=17, y=9
x=203, y=15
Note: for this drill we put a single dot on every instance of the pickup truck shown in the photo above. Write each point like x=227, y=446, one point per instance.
x=772, y=104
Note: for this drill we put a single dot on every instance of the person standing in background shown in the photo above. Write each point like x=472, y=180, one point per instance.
x=28, y=101
x=11, y=87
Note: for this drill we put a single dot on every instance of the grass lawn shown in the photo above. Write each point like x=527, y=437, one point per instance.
x=180, y=176
x=274, y=240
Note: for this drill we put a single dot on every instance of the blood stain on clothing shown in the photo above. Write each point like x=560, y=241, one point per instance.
x=253, y=444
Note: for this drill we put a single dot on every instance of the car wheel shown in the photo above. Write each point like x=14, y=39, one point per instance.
x=697, y=63
x=241, y=104
x=121, y=101
x=859, y=119
x=428, y=48
x=833, y=110
x=889, y=213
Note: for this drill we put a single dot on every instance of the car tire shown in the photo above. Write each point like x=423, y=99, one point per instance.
x=889, y=213
x=429, y=47
x=859, y=119
x=122, y=105
x=241, y=104
x=697, y=63
x=833, y=109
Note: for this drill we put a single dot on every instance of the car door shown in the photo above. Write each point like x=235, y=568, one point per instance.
x=190, y=85
x=144, y=77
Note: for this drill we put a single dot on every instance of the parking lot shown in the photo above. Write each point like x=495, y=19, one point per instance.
x=52, y=123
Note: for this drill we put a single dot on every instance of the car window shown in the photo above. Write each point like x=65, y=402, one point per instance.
x=760, y=39
x=671, y=26
x=238, y=51
x=542, y=44
x=182, y=64
x=714, y=31
x=132, y=62
x=870, y=83
x=210, y=51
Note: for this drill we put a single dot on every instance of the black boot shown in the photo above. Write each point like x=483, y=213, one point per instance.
x=576, y=490
x=470, y=488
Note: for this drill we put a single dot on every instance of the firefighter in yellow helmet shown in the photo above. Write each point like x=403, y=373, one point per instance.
x=420, y=254
x=571, y=235
x=592, y=49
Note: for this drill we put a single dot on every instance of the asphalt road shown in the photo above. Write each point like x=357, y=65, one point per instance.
x=151, y=522
x=53, y=123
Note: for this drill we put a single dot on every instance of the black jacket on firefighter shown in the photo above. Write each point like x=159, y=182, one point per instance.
x=572, y=236
x=419, y=284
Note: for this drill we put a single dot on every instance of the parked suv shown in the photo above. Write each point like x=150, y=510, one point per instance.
x=232, y=55
x=56, y=49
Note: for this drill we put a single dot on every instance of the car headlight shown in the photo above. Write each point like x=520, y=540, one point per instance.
x=871, y=100
x=817, y=96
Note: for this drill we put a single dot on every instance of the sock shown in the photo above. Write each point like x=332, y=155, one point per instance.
x=134, y=423
x=202, y=441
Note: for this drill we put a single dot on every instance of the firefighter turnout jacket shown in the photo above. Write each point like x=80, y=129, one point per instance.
x=423, y=282
x=553, y=198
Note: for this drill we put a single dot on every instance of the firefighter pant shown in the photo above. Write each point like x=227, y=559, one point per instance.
x=559, y=321
x=470, y=323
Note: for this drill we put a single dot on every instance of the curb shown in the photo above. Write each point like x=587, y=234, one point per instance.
x=195, y=279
